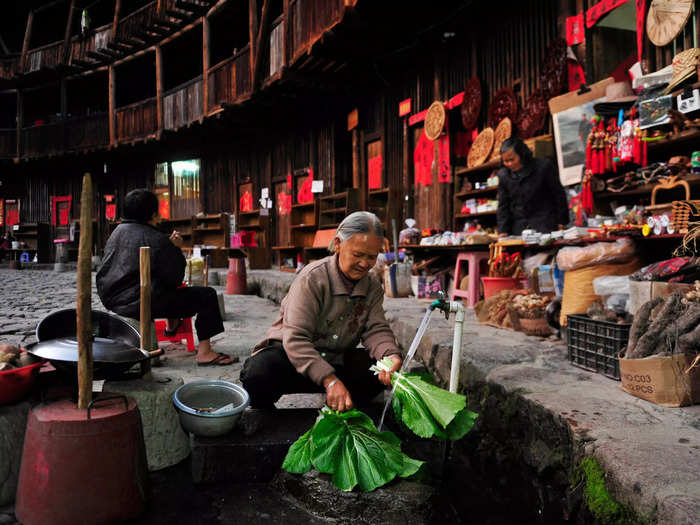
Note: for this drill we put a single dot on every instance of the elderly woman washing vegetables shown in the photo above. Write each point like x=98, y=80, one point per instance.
x=332, y=305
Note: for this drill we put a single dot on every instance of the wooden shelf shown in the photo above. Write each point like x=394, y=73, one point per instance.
x=683, y=136
x=303, y=226
x=467, y=215
x=480, y=191
x=303, y=205
x=639, y=190
x=290, y=248
x=332, y=211
x=463, y=170
x=379, y=191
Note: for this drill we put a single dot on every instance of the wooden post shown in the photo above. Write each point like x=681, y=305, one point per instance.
x=115, y=20
x=252, y=31
x=20, y=120
x=25, y=42
x=262, y=42
x=159, y=87
x=406, y=195
x=206, y=56
x=112, y=110
x=84, y=306
x=66, y=36
x=145, y=313
x=286, y=40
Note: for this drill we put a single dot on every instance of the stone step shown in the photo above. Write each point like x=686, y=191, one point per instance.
x=254, y=451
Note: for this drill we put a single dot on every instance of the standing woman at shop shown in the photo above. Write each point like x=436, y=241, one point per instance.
x=530, y=195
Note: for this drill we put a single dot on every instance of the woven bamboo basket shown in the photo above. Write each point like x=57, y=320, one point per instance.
x=683, y=213
x=537, y=326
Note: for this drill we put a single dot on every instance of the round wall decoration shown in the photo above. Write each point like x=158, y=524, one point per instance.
x=666, y=19
x=532, y=116
x=435, y=120
x=471, y=105
x=554, y=72
x=504, y=105
x=481, y=148
x=503, y=132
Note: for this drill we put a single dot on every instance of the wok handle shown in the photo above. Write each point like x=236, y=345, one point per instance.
x=154, y=353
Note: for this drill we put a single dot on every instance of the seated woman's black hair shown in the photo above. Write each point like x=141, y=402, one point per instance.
x=518, y=146
x=140, y=205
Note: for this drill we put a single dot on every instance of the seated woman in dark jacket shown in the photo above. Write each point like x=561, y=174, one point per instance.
x=530, y=195
x=118, y=279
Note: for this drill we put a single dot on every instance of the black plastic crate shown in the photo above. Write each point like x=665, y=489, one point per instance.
x=595, y=345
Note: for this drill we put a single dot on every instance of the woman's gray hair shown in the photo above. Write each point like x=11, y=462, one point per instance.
x=357, y=222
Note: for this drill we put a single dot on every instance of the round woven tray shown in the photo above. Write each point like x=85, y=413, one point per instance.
x=532, y=116
x=503, y=132
x=481, y=148
x=435, y=120
x=471, y=105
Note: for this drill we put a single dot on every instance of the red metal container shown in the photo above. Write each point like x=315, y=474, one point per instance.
x=82, y=467
x=236, y=281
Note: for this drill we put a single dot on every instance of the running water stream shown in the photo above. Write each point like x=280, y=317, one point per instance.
x=411, y=352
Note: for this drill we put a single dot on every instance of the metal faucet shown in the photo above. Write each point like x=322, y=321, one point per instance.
x=441, y=303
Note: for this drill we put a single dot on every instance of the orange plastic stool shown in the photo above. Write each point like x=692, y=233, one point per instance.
x=184, y=331
x=474, y=261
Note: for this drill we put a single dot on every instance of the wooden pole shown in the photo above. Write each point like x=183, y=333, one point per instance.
x=406, y=197
x=66, y=36
x=20, y=121
x=115, y=20
x=112, y=109
x=252, y=32
x=206, y=55
x=25, y=42
x=159, y=88
x=84, y=306
x=145, y=318
x=263, y=37
x=355, y=158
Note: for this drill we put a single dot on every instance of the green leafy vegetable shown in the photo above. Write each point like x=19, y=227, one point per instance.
x=348, y=446
x=425, y=408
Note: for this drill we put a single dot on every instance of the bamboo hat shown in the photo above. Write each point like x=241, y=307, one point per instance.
x=618, y=95
x=684, y=64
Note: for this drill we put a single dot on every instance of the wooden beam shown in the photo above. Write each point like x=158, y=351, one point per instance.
x=83, y=307
x=206, y=56
x=355, y=158
x=20, y=121
x=174, y=13
x=111, y=115
x=66, y=36
x=286, y=43
x=159, y=87
x=25, y=42
x=263, y=38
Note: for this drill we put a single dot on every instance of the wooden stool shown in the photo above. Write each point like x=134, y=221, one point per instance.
x=474, y=260
x=184, y=331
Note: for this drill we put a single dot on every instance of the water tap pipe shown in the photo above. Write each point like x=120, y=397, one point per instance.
x=455, y=307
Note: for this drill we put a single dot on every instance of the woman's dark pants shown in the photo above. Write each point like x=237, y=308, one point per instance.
x=269, y=374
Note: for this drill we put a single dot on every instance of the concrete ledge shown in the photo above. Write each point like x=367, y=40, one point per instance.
x=13, y=421
x=254, y=450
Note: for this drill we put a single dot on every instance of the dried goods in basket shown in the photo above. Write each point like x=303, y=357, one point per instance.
x=502, y=133
x=685, y=213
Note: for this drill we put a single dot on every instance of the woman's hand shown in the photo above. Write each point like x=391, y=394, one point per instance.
x=176, y=238
x=385, y=377
x=337, y=396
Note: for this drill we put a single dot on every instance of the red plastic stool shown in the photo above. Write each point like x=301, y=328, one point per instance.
x=184, y=331
x=474, y=261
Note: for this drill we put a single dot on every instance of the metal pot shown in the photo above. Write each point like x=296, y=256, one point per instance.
x=115, y=343
x=202, y=404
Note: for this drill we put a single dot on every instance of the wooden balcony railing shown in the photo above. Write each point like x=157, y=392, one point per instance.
x=98, y=39
x=8, y=142
x=45, y=139
x=137, y=120
x=131, y=24
x=46, y=56
x=9, y=66
x=230, y=79
x=89, y=131
x=276, y=46
x=183, y=104
x=310, y=18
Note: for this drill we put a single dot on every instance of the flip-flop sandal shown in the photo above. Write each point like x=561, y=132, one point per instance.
x=173, y=332
x=217, y=361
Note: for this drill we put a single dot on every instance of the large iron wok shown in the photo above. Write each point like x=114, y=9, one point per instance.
x=115, y=344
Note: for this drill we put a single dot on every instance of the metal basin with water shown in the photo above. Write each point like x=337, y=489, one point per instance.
x=197, y=402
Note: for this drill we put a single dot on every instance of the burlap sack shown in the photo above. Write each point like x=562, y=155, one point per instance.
x=578, y=286
x=662, y=380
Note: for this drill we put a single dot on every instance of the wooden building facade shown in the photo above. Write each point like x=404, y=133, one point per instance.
x=235, y=106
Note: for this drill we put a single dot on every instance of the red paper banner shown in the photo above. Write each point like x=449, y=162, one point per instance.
x=601, y=8
x=456, y=100
x=64, y=214
x=444, y=174
x=246, y=202
x=404, y=107
x=577, y=77
x=374, y=167
x=284, y=203
x=304, y=195
x=2, y=212
x=575, y=32
x=417, y=118
x=423, y=161
x=641, y=18
x=12, y=217
x=164, y=208
x=111, y=212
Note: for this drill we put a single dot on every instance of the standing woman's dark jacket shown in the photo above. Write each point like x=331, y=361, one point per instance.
x=531, y=198
x=118, y=279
